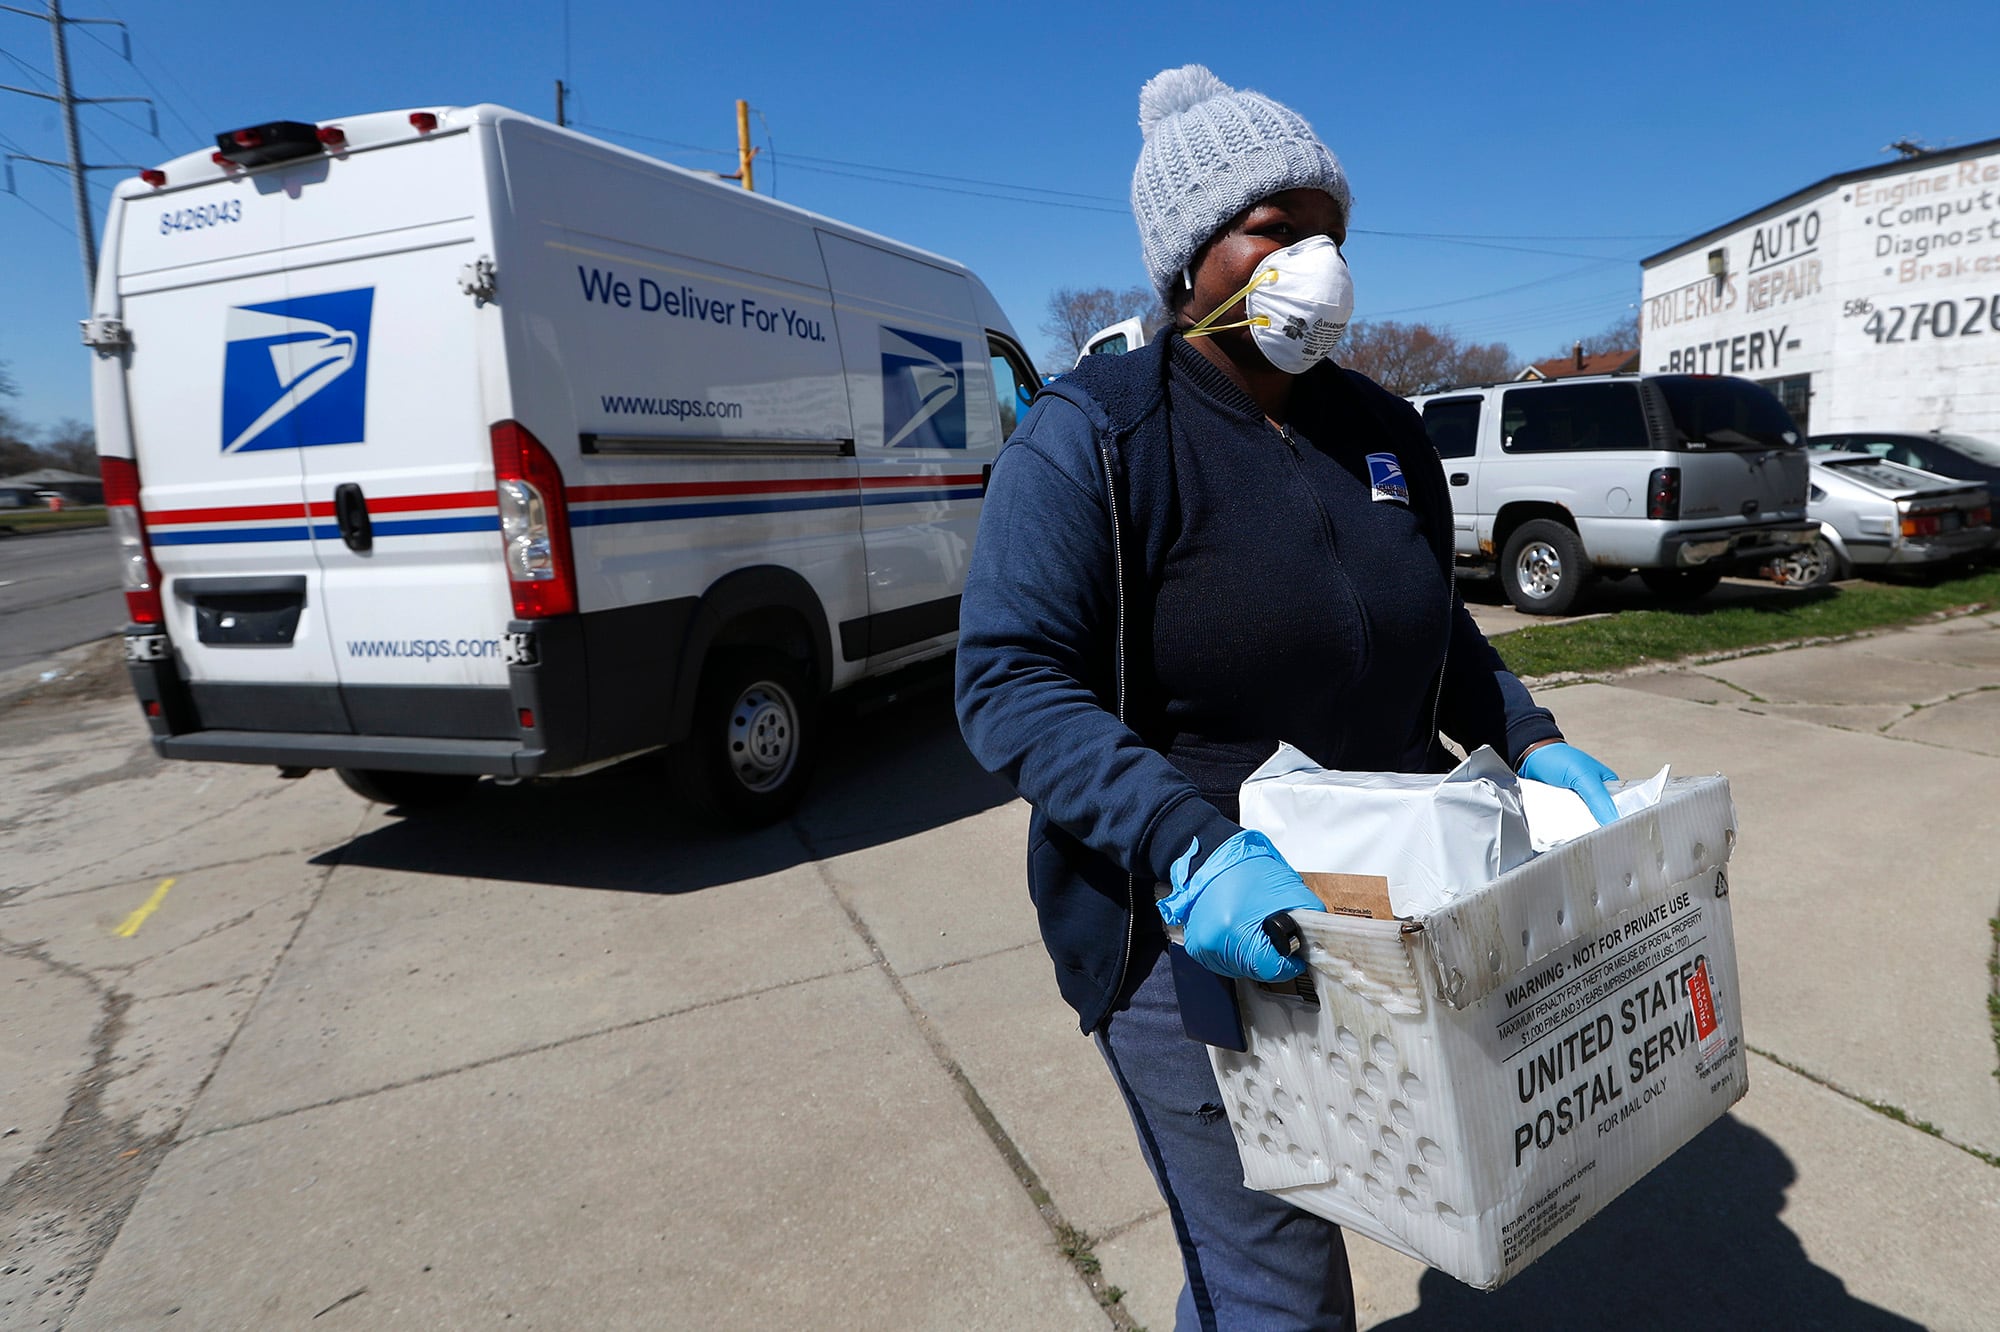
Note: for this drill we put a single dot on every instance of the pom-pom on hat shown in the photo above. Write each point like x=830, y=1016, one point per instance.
x=1210, y=152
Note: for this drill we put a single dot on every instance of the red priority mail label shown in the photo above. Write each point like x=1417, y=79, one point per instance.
x=1701, y=999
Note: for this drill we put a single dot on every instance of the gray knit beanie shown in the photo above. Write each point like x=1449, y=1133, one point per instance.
x=1210, y=152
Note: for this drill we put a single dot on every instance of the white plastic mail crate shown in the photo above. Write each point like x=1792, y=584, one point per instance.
x=1471, y=1086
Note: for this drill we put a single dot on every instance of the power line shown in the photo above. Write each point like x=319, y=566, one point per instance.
x=172, y=110
x=798, y=165
x=881, y=173
x=649, y=138
x=167, y=71
x=1505, y=291
x=1121, y=205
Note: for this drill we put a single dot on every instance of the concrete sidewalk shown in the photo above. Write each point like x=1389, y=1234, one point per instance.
x=820, y=1078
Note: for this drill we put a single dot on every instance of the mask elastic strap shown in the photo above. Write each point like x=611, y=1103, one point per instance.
x=1207, y=325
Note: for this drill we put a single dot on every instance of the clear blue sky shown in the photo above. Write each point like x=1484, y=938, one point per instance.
x=1563, y=141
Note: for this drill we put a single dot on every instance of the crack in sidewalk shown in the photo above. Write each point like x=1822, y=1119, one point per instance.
x=1882, y=1108
x=523, y=1052
x=1075, y=1246
x=70, y=1200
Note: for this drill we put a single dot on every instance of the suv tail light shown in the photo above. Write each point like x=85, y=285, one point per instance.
x=534, y=524
x=128, y=527
x=1663, y=493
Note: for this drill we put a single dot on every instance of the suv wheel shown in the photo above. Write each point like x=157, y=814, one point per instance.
x=753, y=741
x=1680, y=585
x=1544, y=568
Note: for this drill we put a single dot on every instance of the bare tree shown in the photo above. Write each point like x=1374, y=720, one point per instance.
x=1621, y=334
x=16, y=453
x=71, y=445
x=1075, y=313
x=1421, y=358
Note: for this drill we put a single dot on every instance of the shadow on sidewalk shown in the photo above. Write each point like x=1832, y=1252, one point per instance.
x=1697, y=1243
x=888, y=769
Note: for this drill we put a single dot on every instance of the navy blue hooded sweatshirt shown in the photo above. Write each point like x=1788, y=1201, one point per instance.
x=1263, y=586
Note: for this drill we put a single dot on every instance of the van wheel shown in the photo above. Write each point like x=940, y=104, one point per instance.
x=411, y=790
x=753, y=741
x=1677, y=586
x=1543, y=568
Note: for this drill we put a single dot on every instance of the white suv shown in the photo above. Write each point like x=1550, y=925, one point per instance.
x=1681, y=478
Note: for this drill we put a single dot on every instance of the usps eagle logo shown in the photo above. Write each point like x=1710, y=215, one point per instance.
x=923, y=391
x=295, y=372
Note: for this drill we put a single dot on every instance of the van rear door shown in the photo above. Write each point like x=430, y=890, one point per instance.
x=404, y=515
x=217, y=356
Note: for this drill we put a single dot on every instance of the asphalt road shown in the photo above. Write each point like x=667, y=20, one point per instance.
x=57, y=590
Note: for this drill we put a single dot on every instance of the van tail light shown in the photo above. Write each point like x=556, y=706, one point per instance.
x=128, y=528
x=534, y=524
x=1663, y=494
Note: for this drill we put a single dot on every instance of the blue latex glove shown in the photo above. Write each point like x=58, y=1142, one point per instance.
x=1565, y=765
x=1221, y=909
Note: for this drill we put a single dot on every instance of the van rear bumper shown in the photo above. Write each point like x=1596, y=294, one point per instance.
x=295, y=749
x=581, y=690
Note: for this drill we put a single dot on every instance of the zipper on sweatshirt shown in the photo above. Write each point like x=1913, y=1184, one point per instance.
x=1118, y=689
x=1332, y=547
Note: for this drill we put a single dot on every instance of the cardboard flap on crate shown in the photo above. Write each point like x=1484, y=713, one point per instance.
x=1580, y=887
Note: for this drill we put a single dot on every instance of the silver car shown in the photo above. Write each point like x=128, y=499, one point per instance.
x=1874, y=514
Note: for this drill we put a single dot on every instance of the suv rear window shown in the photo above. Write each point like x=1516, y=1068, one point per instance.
x=1717, y=412
x=1563, y=417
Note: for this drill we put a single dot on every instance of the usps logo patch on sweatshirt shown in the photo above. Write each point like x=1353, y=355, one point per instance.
x=1385, y=479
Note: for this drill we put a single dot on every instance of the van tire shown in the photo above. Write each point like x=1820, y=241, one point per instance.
x=753, y=740
x=1679, y=586
x=1543, y=568
x=410, y=790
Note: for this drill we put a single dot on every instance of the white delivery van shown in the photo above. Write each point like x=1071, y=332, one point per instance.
x=449, y=442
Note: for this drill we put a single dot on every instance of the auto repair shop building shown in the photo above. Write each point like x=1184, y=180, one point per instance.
x=1870, y=300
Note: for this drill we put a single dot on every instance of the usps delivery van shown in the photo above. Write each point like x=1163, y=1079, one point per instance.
x=449, y=442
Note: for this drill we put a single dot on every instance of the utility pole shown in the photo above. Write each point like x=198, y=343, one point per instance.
x=744, y=152
x=74, y=146
x=69, y=101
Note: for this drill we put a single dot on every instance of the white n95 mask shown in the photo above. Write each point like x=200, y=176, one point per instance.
x=1298, y=305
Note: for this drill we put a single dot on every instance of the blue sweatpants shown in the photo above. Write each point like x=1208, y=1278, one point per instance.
x=1254, y=1263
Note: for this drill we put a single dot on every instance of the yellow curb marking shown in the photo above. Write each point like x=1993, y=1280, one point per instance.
x=138, y=918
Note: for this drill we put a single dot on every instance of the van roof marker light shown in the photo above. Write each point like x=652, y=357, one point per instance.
x=425, y=121
x=277, y=141
x=153, y=176
x=333, y=136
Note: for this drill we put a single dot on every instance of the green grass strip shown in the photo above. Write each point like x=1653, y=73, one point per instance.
x=43, y=520
x=1636, y=637
x=1993, y=988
